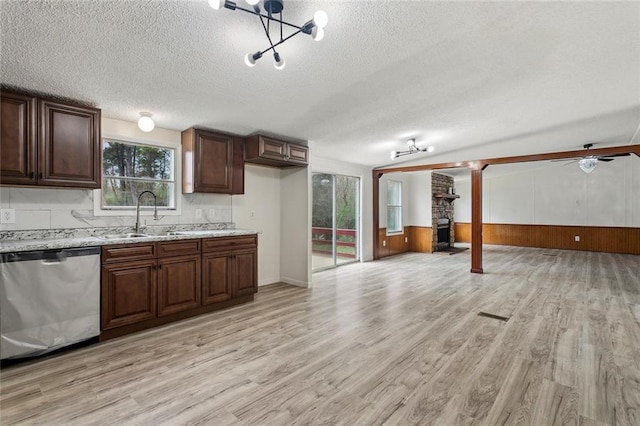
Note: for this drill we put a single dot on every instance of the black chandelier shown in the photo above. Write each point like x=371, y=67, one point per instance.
x=314, y=27
x=413, y=149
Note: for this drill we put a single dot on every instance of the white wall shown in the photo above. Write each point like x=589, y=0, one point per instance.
x=323, y=165
x=259, y=209
x=419, y=199
x=295, y=226
x=558, y=194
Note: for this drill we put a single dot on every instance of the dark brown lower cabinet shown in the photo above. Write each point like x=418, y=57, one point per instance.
x=148, y=284
x=128, y=293
x=178, y=284
x=230, y=268
x=245, y=272
x=216, y=281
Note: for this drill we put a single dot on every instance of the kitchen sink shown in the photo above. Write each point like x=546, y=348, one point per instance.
x=122, y=236
x=161, y=234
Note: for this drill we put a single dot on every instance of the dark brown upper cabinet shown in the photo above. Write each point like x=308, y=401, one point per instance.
x=212, y=162
x=49, y=143
x=274, y=152
x=18, y=160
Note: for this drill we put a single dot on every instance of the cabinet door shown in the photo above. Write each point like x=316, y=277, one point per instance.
x=69, y=145
x=298, y=154
x=178, y=284
x=245, y=266
x=216, y=277
x=213, y=163
x=271, y=148
x=18, y=162
x=128, y=293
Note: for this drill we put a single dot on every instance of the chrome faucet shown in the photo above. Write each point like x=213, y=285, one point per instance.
x=155, y=209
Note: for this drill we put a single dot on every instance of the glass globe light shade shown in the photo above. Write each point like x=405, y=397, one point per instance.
x=320, y=18
x=317, y=33
x=248, y=59
x=215, y=4
x=588, y=164
x=279, y=64
x=145, y=122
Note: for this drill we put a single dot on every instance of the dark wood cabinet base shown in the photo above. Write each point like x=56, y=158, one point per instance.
x=144, y=325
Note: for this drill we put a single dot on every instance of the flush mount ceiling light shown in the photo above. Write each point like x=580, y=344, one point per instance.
x=588, y=164
x=314, y=27
x=145, y=122
x=413, y=149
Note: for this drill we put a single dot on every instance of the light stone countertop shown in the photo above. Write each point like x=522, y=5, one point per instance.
x=20, y=245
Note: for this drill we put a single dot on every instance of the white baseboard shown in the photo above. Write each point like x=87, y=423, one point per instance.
x=295, y=282
x=267, y=281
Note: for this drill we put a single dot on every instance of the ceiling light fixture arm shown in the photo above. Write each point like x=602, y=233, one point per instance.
x=273, y=9
x=258, y=13
x=279, y=43
x=413, y=149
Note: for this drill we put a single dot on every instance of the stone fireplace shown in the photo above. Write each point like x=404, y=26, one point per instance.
x=442, y=224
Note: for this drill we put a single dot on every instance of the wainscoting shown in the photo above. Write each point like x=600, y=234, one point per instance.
x=392, y=244
x=420, y=239
x=592, y=238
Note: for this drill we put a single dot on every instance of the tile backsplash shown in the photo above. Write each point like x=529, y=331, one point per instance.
x=44, y=208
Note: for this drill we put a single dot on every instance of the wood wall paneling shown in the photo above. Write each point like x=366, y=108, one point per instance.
x=383, y=243
x=420, y=239
x=400, y=242
x=393, y=244
x=592, y=238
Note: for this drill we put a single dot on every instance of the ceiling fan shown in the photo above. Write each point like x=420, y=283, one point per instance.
x=588, y=163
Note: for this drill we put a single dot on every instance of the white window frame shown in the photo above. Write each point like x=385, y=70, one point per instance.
x=389, y=205
x=98, y=210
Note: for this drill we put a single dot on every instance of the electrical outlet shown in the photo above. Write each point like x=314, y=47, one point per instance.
x=212, y=214
x=252, y=214
x=8, y=216
x=406, y=239
x=384, y=243
x=577, y=238
x=198, y=213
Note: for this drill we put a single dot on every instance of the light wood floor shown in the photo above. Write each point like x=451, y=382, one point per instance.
x=396, y=341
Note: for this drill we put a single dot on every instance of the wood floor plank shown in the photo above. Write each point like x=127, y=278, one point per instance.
x=556, y=405
x=396, y=341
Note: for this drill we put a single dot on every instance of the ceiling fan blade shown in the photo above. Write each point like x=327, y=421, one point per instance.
x=605, y=159
x=616, y=155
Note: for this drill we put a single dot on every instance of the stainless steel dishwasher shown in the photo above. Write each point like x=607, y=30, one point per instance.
x=48, y=299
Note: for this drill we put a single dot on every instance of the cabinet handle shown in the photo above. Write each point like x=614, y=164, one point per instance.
x=160, y=266
x=31, y=175
x=40, y=175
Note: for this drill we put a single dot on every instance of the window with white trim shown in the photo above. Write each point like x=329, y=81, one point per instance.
x=394, y=207
x=129, y=168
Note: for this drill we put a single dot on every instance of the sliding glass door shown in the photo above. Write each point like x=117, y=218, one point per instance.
x=336, y=220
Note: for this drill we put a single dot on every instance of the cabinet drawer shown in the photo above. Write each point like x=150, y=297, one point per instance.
x=228, y=243
x=179, y=247
x=298, y=154
x=124, y=252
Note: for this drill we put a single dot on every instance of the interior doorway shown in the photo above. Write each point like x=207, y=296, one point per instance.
x=335, y=220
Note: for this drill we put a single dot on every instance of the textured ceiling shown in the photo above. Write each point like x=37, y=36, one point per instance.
x=473, y=79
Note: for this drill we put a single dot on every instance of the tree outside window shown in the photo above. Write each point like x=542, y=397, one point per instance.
x=129, y=169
